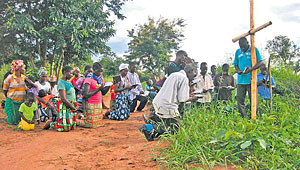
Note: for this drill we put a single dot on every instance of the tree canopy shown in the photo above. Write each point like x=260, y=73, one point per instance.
x=57, y=32
x=153, y=42
x=283, y=50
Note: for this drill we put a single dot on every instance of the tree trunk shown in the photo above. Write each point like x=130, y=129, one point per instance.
x=32, y=61
x=44, y=52
x=60, y=63
x=52, y=62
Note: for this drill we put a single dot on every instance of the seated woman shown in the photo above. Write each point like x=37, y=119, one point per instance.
x=66, y=119
x=123, y=102
x=93, y=87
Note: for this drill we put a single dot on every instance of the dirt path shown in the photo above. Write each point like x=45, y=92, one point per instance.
x=117, y=145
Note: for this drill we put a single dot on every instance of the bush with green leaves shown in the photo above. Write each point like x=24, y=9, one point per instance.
x=287, y=83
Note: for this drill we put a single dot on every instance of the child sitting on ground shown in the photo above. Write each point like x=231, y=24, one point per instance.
x=27, y=112
x=45, y=101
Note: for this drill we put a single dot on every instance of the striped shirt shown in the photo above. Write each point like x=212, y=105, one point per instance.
x=15, y=86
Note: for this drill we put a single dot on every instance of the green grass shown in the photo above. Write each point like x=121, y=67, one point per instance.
x=217, y=135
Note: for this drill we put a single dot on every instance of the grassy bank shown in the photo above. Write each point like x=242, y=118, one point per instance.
x=217, y=135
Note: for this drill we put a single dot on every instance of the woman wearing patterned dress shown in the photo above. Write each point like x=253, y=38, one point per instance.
x=93, y=87
x=15, y=90
x=123, y=102
x=66, y=119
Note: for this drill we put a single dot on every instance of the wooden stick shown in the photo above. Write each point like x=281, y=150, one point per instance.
x=268, y=73
x=270, y=84
x=252, y=31
x=254, y=72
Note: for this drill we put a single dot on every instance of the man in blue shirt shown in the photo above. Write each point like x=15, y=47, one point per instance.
x=243, y=66
x=261, y=78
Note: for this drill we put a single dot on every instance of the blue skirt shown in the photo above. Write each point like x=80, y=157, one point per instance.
x=122, y=111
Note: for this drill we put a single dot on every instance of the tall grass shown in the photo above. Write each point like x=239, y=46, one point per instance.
x=216, y=134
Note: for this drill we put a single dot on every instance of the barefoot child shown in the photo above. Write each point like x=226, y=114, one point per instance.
x=27, y=112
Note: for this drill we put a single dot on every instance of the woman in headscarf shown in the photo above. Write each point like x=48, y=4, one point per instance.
x=93, y=87
x=122, y=87
x=14, y=88
x=42, y=84
x=53, y=83
x=66, y=119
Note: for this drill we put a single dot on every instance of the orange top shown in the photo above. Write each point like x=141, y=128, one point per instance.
x=46, y=99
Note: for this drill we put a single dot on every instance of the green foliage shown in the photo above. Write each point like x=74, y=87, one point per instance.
x=216, y=134
x=284, y=51
x=287, y=83
x=4, y=69
x=57, y=32
x=153, y=42
x=111, y=65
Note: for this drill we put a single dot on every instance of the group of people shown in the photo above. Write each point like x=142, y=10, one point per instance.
x=74, y=100
x=77, y=99
x=183, y=84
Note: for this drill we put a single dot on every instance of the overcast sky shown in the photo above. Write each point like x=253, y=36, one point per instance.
x=212, y=24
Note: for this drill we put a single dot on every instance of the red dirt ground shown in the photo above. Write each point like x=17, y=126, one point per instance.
x=117, y=145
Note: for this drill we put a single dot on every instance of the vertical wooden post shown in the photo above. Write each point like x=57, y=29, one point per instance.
x=254, y=72
x=270, y=84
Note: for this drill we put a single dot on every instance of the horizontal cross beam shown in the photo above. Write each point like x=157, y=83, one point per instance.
x=252, y=31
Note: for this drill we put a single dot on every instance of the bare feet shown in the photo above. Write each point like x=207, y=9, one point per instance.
x=47, y=125
x=105, y=107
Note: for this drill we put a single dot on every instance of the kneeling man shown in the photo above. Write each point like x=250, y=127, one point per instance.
x=166, y=114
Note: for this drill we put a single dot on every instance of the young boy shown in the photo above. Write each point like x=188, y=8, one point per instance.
x=27, y=112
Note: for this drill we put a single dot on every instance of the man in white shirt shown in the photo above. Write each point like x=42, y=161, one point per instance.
x=137, y=92
x=174, y=92
x=204, y=84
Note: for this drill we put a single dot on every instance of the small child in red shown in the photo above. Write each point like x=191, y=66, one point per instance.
x=46, y=102
x=112, y=98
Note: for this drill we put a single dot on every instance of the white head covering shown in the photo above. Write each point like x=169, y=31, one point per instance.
x=123, y=66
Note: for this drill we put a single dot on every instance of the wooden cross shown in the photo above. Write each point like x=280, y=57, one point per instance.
x=253, y=58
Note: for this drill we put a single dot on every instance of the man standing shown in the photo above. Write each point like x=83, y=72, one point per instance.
x=243, y=66
x=137, y=90
x=174, y=92
x=213, y=70
x=262, y=77
x=204, y=85
x=224, y=84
